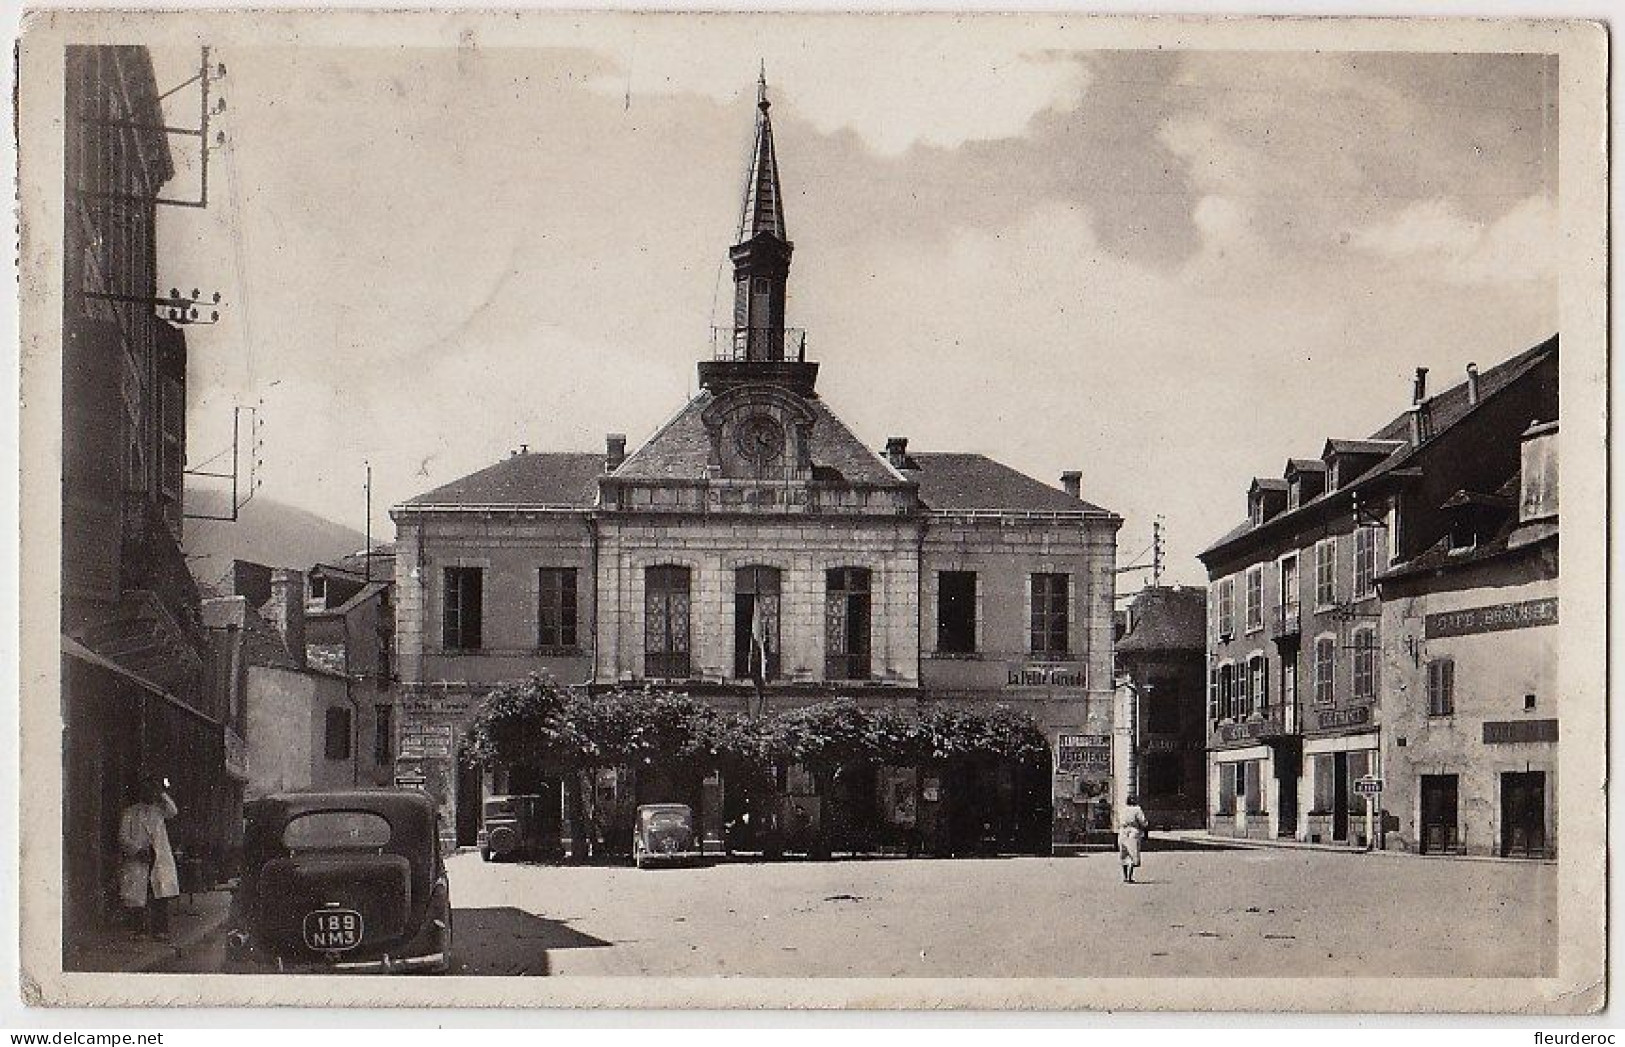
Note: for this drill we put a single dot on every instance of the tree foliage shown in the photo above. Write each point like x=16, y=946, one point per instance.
x=537, y=721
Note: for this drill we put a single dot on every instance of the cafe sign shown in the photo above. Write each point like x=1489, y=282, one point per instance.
x=1492, y=619
x=426, y=741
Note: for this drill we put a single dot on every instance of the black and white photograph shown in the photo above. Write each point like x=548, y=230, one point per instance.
x=812, y=510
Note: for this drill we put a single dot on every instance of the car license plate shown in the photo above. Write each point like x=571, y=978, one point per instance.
x=333, y=930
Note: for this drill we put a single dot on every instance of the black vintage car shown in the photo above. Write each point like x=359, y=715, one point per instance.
x=519, y=827
x=341, y=882
x=664, y=834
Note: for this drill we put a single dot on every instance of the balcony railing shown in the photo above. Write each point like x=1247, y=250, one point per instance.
x=759, y=343
x=1287, y=622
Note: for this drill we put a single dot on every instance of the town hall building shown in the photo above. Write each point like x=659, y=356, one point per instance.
x=895, y=577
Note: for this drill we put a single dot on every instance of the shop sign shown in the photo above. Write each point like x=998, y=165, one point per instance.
x=1083, y=753
x=1333, y=719
x=1510, y=732
x=1268, y=727
x=1047, y=674
x=444, y=708
x=425, y=741
x=1368, y=786
x=1493, y=618
x=1169, y=745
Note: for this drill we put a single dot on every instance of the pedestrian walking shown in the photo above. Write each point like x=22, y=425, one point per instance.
x=1131, y=827
x=147, y=874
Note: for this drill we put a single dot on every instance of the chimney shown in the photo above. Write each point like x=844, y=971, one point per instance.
x=614, y=451
x=1472, y=385
x=524, y=448
x=1072, y=481
x=1416, y=425
x=286, y=610
x=1420, y=393
x=897, y=451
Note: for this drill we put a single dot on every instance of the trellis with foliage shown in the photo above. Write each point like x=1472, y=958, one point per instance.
x=537, y=721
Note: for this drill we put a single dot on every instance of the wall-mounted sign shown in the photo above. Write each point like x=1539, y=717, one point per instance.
x=1493, y=618
x=1510, y=732
x=426, y=740
x=1267, y=727
x=1335, y=719
x=1047, y=674
x=459, y=707
x=1083, y=754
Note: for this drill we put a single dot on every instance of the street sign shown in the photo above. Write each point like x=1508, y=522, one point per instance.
x=1368, y=786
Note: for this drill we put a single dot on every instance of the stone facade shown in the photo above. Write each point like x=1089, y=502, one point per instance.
x=756, y=512
x=1300, y=690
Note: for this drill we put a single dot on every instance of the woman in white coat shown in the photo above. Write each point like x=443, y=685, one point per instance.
x=147, y=874
x=1131, y=827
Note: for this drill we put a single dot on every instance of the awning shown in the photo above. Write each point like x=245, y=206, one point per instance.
x=74, y=649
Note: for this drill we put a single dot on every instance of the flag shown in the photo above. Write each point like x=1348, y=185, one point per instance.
x=758, y=641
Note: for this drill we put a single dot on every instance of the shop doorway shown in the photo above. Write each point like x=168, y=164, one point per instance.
x=470, y=790
x=1340, y=797
x=1440, y=834
x=1523, y=814
x=1287, y=768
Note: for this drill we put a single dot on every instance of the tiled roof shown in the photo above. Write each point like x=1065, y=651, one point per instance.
x=550, y=478
x=1444, y=411
x=1305, y=465
x=1168, y=618
x=950, y=481
x=1382, y=447
x=681, y=450
x=262, y=644
x=1269, y=483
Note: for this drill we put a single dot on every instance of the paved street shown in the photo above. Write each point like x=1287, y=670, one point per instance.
x=1198, y=912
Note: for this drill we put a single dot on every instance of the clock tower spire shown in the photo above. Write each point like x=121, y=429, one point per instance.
x=758, y=347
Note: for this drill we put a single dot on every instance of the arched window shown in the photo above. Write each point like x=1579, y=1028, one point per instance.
x=756, y=623
x=666, y=622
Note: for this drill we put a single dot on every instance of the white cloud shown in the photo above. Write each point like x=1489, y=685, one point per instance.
x=894, y=82
x=1517, y=247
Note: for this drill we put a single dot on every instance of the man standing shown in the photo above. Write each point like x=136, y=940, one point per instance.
x=147, y=873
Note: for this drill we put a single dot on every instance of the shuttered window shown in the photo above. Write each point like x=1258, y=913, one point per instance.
x=1442, y=687
x=1325, y=665
x=463, y=615
x=556, y=607
x=1326, y=572
x=338, y=734
x=1049, y=615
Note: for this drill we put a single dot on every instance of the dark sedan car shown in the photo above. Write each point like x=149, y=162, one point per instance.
x=664, y=833
x=341, y=882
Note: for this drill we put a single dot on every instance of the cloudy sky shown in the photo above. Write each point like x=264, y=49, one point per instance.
x=1168, y=270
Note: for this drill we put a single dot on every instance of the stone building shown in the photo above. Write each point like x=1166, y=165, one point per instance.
x=1161, y=656
x=897, y=578
x=1296, y=691
x=141, y=694
x=1472, y=704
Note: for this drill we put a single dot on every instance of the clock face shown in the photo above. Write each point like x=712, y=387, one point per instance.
x=760, y=439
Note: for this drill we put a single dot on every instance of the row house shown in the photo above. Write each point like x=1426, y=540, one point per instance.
x=1470, y=754
x=1296, y=691
x=755, y=515
x=144, y=689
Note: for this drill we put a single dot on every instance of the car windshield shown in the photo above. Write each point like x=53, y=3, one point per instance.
x=336, y=831
x=668, y=819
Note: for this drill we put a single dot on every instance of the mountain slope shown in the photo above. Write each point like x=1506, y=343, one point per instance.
x=267, y=531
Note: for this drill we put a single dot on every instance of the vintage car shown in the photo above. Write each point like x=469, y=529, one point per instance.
x=341, y=882
x=518, y=826
x=664, y=833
